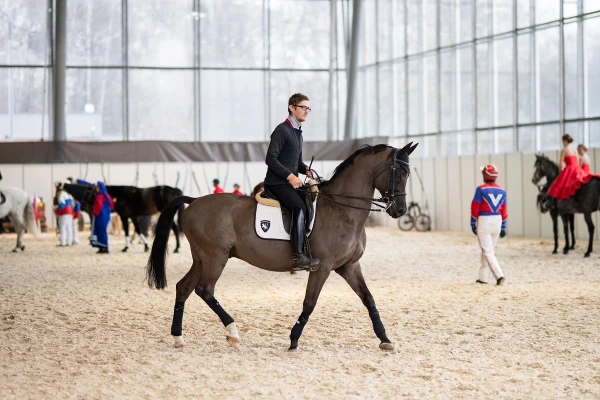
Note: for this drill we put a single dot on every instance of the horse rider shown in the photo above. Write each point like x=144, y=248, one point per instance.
x=571, y=176
x=584, y=158
x=488, y=221
x=284, y=161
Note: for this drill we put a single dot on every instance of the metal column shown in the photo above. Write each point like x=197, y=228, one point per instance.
x=332, y=69
x=353, y=70
x=60, y=59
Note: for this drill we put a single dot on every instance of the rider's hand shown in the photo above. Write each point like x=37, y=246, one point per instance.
x=502, y=233
x=474, y=229
x=295, y=181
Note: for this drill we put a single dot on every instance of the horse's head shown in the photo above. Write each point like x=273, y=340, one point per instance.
x=543, y=167
x=85, y=194
x=393, y=184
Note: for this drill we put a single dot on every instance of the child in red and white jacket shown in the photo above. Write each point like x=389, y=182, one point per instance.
x=64, y=210
x=488, y=222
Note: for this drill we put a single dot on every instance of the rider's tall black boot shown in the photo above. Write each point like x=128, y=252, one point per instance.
x=299, y=260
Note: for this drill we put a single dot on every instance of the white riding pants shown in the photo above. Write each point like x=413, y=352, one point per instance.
x=488, y=232
x=66, y=229
x=76, y=231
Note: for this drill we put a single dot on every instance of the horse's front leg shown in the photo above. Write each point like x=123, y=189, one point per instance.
x=590, y=225
x=554, y=216
x=316, y=280
x=353, y=275
x=138, y=230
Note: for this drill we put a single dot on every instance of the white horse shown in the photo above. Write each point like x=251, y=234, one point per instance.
x=15, y=203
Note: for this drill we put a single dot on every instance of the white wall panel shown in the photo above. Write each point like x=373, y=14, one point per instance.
x=441, y=193
x=467, y=190
x=60, y=172
x=455, y=201
x=514, y=193
x=122, y=174
x=531, y=215
x=94, y=172
x=150, y=174
x=499, y=160
x=38, y=180
x=428, y=176
x=12, y=175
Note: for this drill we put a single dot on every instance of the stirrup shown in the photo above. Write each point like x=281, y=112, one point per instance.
x=301, y=262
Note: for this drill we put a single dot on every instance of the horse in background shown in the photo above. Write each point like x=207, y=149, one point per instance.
x=131, y=203
x=585, y=201
x=15, y=204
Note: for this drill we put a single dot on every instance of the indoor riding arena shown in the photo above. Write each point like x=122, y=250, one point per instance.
x=420, y=222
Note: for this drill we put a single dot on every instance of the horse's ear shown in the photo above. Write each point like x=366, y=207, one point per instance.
x=412, y=148
x=406, y=148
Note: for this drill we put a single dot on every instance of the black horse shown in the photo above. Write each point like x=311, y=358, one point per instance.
x=130, y=203
x=585, y=201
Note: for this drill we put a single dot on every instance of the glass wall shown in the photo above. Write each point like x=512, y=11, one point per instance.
x=478, y=76
x=464, y=76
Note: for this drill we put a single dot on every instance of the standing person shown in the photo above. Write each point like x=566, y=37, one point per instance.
x=284, y=159
x=76, y=216
x=236, y=190
x=488, y=221
x=584, y=158
x=64, y=211
x=571, y=176
x=218, y=189
x=101, y=212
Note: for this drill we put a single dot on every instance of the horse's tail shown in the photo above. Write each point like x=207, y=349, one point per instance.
x=32, y=226
x=180, y=211
x=155, y=272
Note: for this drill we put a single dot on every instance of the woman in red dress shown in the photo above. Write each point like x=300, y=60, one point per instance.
x=571, y=176
x=584, y=158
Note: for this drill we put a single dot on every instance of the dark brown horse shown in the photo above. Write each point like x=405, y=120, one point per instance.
x=220, y=227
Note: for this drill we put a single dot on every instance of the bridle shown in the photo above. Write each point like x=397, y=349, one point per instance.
x=389, y=196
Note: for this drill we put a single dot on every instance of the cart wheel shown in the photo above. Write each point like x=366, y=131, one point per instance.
x=423, y=223
x=406, y=222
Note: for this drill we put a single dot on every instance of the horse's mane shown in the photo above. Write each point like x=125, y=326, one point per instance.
x=364, y=150
x=544, y=157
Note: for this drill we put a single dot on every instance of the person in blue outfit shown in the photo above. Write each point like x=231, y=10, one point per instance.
x=103, y=205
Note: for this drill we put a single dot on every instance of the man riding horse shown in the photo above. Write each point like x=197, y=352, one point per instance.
x=284, y=159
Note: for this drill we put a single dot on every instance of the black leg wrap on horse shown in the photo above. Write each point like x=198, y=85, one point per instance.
x=298, y=327
x=177, y=318
x=378, y=325
x=216, y=307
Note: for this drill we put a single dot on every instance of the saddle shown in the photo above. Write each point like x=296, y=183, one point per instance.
x=267, y=198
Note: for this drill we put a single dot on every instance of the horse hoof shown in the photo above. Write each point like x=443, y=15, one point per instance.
x=14, y=250
x=587, y=255
x=23, y=248
x=178, y=341
x=293, y=349
x=125, y=250
x=235, y=342
x=555, y=252
x=232, y=336
x=176, y=251
x=146, y=249
x=387, y=346
x=566, y=251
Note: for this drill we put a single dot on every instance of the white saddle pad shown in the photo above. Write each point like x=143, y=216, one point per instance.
x=268, y=222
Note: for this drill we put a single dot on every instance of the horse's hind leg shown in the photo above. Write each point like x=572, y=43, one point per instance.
x=590, y=225
x=176, y=232
x=185, y=287
x=572, y=228
x=211, y=272
x=353, y=275
x=554, y=216
x=19, y=226
x=125, y=223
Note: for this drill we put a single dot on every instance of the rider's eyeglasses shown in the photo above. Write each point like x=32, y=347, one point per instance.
x=304, y=108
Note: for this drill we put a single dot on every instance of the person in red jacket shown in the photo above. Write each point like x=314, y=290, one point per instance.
x=488, y=222
x=236, y=190
x=218, y=189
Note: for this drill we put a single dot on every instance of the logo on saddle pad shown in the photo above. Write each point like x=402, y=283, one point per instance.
x=265, y=225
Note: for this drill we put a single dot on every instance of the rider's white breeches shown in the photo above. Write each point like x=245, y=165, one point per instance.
x=488, y=232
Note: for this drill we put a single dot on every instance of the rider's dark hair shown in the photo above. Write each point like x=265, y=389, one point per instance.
x=566, y=137
x=295, y=99
x=582, y=146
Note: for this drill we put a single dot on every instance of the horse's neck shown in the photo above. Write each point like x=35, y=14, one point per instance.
x=356, y=181
x=551, y=171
